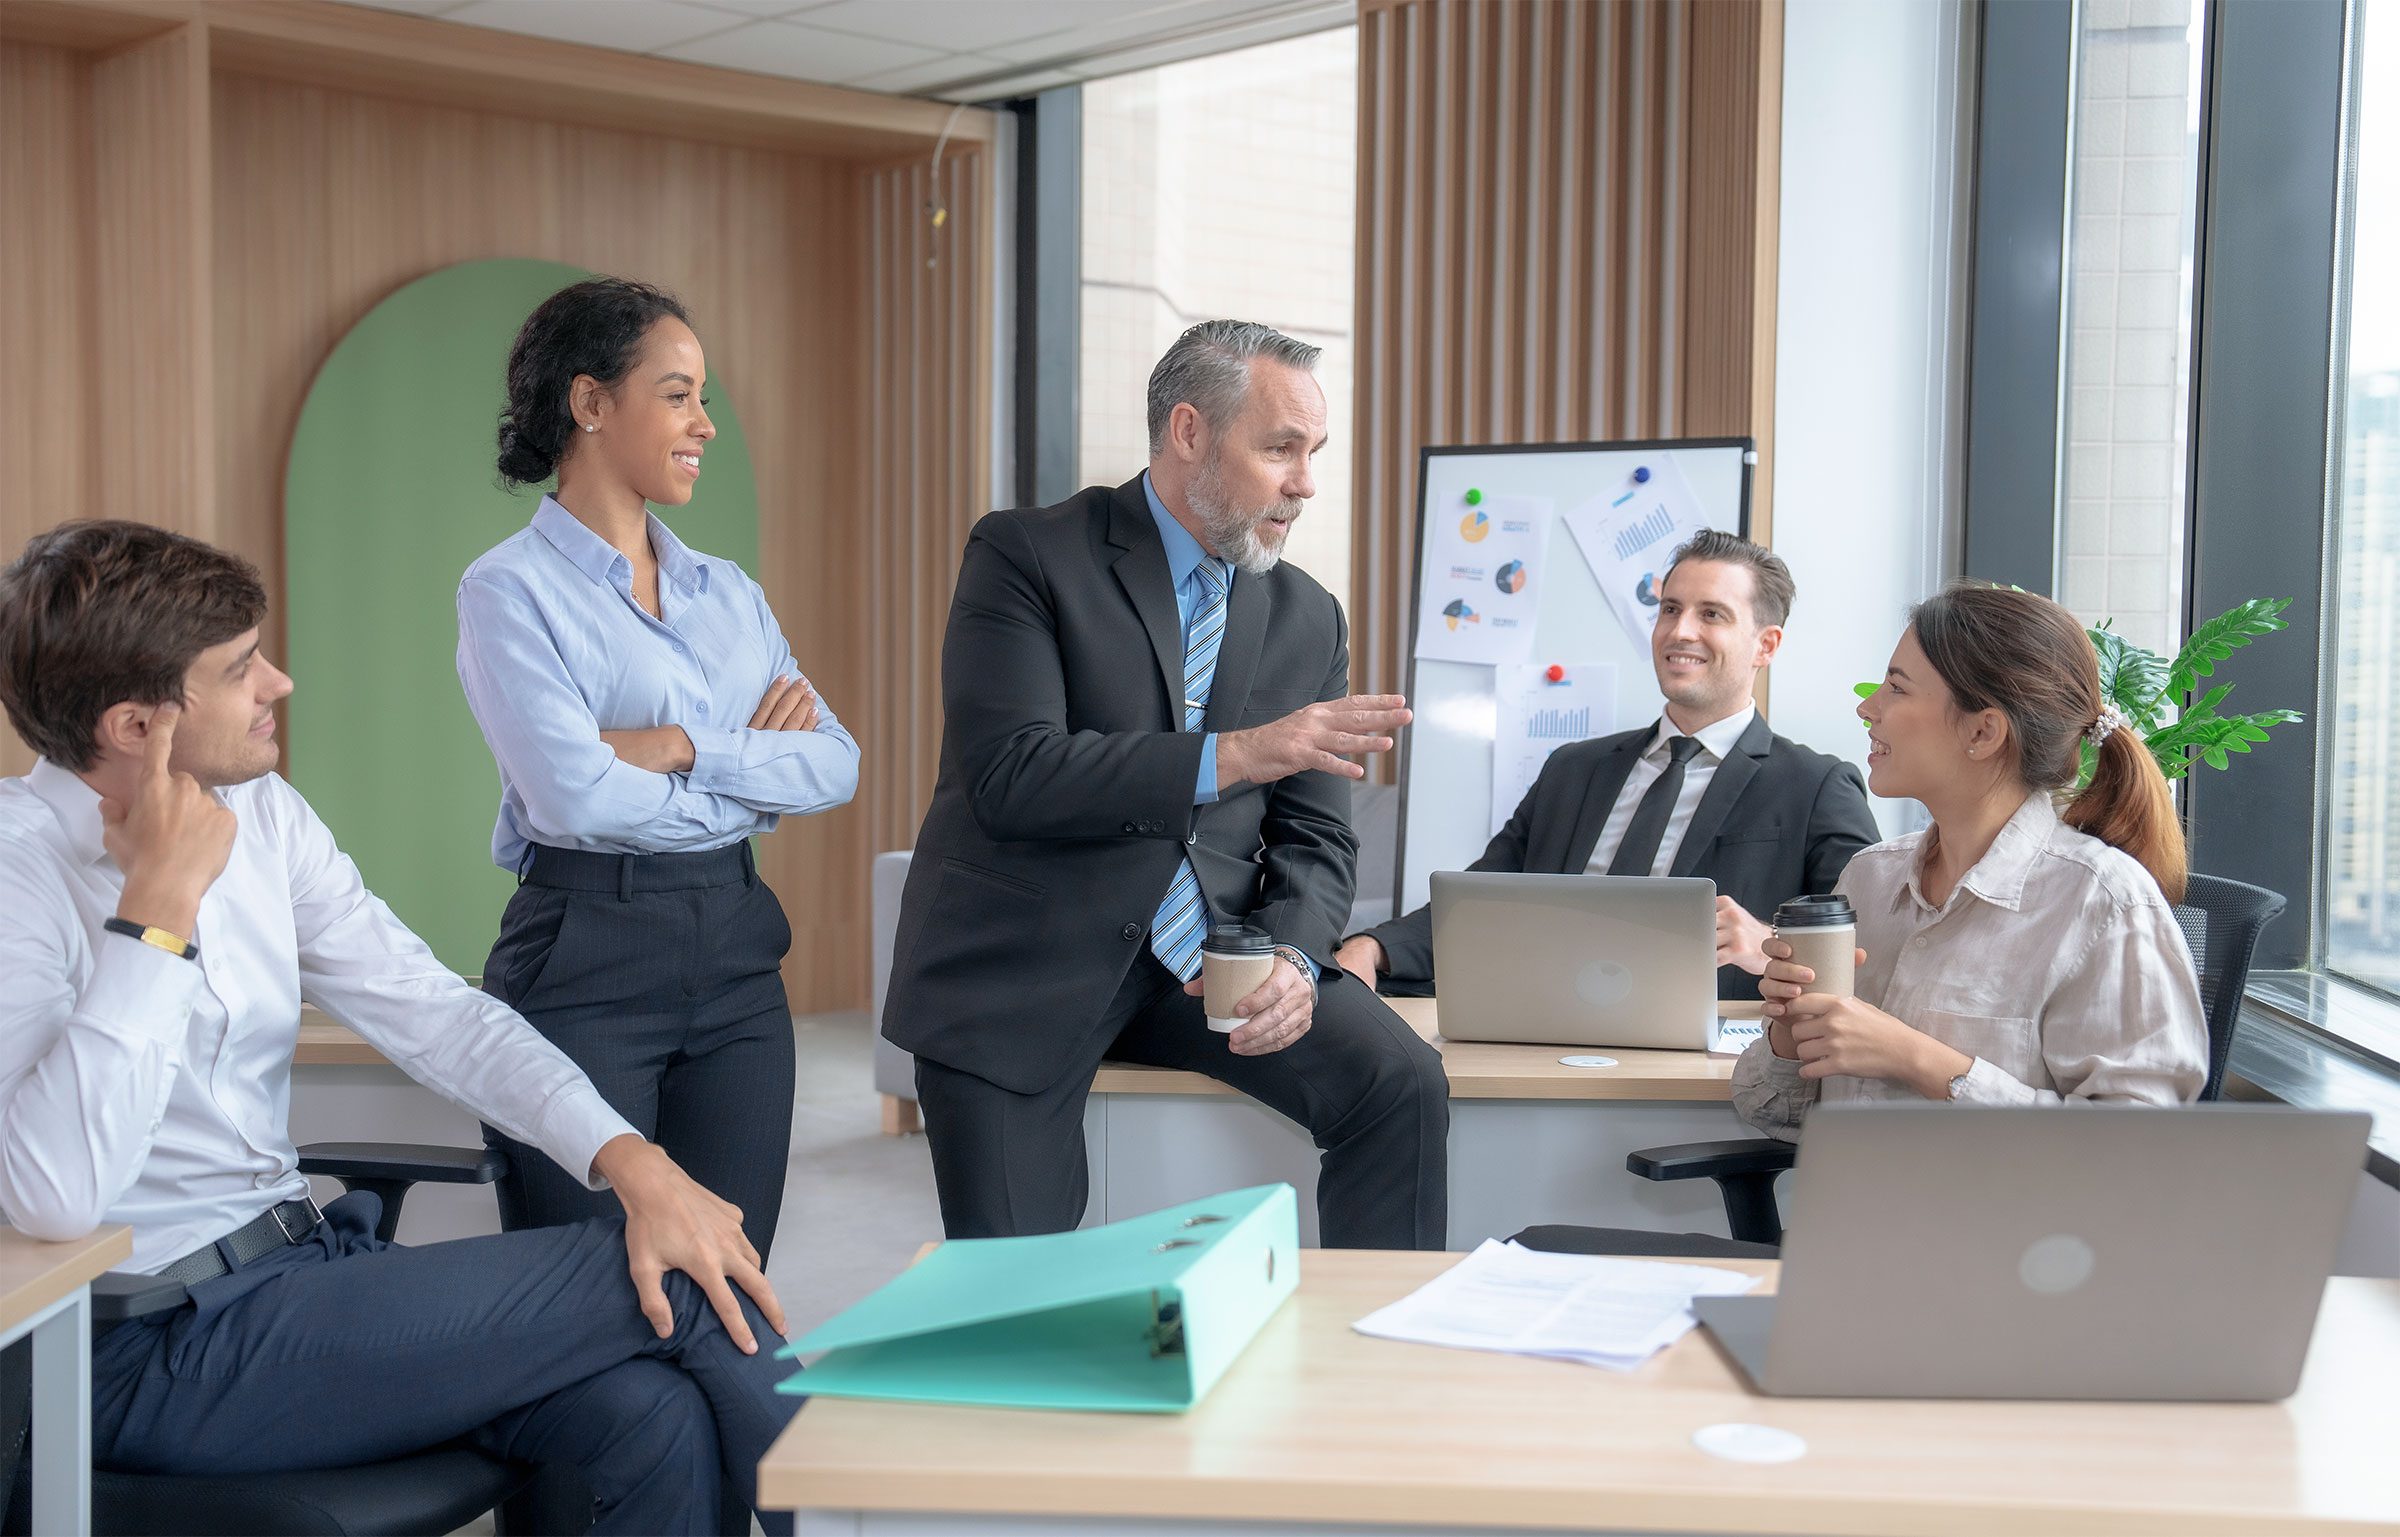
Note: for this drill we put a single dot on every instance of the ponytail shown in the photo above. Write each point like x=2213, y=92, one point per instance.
x=2128, y=806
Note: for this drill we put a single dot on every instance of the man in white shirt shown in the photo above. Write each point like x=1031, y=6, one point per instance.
x=1708, y=791
x=166, y=903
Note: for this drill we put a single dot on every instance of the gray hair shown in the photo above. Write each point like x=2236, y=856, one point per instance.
x=1209, y=368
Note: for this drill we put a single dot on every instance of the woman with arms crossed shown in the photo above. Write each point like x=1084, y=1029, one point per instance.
x=648, y=720
x=2014, y=953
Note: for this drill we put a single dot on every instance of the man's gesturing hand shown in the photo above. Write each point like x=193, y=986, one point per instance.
x=171, y=839
x=1318, y=737
x=672, y=1223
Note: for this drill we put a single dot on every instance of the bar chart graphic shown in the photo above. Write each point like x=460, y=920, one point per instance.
x=1560, y=725
x=1639, y=536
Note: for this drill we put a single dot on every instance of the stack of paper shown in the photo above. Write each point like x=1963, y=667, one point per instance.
x=1595, y=1309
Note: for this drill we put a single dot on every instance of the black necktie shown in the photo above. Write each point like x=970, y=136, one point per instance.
x=1640, y=848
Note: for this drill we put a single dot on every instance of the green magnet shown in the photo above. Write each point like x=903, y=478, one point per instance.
x=1474, y=498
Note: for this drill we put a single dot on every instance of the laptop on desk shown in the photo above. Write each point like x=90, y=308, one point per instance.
x=2111, y=1252
x=1576, y=960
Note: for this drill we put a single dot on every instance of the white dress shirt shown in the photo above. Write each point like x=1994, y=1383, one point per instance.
x=2057, y=965
x=1716, y=741
x=139, y=1087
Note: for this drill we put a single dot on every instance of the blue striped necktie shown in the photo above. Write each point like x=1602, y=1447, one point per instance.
x=1182, y=919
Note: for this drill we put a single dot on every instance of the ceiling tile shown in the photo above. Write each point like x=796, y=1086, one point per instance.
x=761, y=10
x=965, y=25
x=928, y=78
x=1229, y=38
x=800, y=53
x=640, y=26
x=1123, y=26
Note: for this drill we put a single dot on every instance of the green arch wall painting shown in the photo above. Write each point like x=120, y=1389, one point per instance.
x=388, y=496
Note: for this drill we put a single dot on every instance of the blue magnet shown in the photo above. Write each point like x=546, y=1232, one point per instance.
x=1642, y=475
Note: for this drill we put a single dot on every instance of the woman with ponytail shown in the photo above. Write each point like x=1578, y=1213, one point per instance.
x=2018, y=951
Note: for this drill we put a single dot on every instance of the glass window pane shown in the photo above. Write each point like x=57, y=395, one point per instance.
x=2129, y=306
x=2362, y=856
x=1223, y=187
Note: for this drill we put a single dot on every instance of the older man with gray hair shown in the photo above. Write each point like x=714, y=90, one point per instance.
x=1147, y=729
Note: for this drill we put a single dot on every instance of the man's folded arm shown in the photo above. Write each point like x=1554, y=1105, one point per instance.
x=85, y=1071
x=362, y=965
x=1004, y=702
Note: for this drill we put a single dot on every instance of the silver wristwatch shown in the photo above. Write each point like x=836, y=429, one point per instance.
x=1303, y=965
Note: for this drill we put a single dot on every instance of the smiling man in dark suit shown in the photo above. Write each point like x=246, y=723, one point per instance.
x=1707, y=791
x=1146, y=728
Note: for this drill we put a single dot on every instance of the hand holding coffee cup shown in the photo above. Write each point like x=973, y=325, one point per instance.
x=1814, y=949
x=1252, y=995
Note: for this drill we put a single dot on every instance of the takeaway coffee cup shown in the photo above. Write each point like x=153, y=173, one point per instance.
x=1235, y=961
x=1823, y=934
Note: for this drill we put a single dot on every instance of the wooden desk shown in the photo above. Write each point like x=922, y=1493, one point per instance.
x=1488, y=1070
x=1318, y=1424
x=45, y=1291
x=1531, y=1139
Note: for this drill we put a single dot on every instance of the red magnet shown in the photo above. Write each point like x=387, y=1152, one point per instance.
x=1555, y=673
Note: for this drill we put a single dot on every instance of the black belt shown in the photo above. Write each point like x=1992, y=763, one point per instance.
x=275, y=1228
x=625, y=874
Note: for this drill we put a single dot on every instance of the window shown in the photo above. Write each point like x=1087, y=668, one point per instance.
x=1222, y=187
x=2129, y=306
x=2360, y=925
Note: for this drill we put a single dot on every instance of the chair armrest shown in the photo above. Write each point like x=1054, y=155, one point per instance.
x=1714, y=1160
x=404, y=1162
x=121, y=1295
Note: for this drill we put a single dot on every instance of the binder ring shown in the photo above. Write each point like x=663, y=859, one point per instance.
x=1176, y=1243
x=1200, y=1220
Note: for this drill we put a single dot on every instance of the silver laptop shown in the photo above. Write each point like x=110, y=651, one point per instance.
x=1576, y=960
x=2085, y=1251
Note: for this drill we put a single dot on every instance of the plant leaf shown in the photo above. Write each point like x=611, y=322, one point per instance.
x=2133, y=678
x=2220, y=638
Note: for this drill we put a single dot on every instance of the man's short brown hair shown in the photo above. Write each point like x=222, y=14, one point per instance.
x=95, y=613
x=1770, y=579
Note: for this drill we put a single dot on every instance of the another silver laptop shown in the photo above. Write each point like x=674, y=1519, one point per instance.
x=1576, y=960
x=2083, y=1251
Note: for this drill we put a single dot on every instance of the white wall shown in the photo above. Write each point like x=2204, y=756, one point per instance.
x=1876, y=100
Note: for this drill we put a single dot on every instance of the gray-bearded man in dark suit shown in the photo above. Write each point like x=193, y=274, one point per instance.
x=1708, y=790
x=1147, y=726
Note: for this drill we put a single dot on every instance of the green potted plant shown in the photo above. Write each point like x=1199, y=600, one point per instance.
x=2158, y=696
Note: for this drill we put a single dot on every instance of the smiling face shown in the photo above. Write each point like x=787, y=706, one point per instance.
x=227, y=733
x=1706, y=645
x=1255, y=476
x=652, y=425
x=1920, y=744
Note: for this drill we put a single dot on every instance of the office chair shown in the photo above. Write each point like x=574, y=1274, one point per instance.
x=2221, y=920
x=430, y=1492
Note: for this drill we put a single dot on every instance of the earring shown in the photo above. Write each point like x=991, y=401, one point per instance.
x=591, y=426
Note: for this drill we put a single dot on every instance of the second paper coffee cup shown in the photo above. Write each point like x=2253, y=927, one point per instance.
x=1235, y=961
x=1823, y=934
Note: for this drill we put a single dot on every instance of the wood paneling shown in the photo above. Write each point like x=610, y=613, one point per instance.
x=928, y=475
x=50, y=425
x=186, y=230
x=1565, y=232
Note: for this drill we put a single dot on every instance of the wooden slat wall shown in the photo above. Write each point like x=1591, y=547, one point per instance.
x=928, y=475
x=1565, y=231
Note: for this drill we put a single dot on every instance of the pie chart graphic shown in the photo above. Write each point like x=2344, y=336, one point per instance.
x=1510, y=577
x=1455, y=613
x=1645, y=591
x=1474, y=526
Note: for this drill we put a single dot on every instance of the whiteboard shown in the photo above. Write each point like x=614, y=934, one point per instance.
x=1447, y=754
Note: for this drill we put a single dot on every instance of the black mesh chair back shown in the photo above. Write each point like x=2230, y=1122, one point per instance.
x=2221, y=921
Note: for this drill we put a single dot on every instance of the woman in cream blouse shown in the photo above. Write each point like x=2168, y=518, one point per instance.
x=2017, y=952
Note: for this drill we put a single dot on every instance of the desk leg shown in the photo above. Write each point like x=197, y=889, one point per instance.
x=62, y=1417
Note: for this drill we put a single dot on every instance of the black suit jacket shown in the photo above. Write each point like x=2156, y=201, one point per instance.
x=1064, y=799
x=1778, y=821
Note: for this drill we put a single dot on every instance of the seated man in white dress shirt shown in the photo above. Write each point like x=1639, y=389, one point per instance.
x=166, y=903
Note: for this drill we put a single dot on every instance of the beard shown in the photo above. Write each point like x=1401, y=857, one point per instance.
x=1233, y=530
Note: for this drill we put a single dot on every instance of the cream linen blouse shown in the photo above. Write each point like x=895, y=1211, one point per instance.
x=2056, y=964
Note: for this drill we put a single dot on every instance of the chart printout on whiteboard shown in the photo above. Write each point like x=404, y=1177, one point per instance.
x=1483, y=580
x=1627, y=533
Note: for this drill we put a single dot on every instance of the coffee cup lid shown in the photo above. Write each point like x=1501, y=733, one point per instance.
x=1815, y=912
x=1239, y=939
